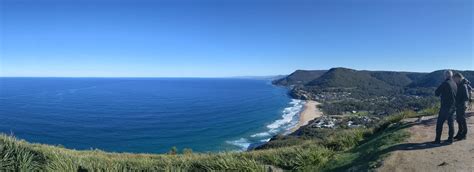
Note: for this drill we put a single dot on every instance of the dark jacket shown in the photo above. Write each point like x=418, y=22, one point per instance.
x=447, y=90
x=462, y=95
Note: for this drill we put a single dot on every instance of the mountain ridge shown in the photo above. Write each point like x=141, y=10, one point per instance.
x=320, y=78
x=344, y=90
x=299, y=77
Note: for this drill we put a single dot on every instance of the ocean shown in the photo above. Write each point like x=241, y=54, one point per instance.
x=146, y=115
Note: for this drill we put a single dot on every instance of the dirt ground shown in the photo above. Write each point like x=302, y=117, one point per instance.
x=417, y=154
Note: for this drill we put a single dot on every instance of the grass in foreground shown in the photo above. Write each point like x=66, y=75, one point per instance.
x=348, y=148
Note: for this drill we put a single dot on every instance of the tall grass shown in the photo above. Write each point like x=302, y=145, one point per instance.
x=17, y=156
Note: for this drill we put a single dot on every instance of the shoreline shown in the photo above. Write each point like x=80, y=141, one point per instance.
x=309, y=112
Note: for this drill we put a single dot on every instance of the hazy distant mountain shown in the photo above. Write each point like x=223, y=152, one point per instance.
x=271, y=77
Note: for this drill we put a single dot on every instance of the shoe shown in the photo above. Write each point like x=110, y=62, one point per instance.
x=461, y=138
x=449, y=141
x=457, y=137
x=436, y=142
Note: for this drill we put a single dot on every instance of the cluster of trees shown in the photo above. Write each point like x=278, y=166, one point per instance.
x=379, y=106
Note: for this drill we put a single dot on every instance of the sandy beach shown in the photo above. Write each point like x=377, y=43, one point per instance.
x=309, y=112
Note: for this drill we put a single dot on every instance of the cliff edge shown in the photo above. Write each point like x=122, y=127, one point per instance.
x=417, y=154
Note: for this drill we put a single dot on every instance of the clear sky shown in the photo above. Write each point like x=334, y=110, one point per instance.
x=218, y=38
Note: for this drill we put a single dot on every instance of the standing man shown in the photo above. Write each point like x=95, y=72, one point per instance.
x=462, y=97
x=447, y=91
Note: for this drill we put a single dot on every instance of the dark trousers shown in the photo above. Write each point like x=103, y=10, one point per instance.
x=445, y=114
x=461, y=119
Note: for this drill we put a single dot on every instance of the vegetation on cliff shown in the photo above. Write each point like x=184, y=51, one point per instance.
x=338, y=149
x=299, y=77
x=342, y=90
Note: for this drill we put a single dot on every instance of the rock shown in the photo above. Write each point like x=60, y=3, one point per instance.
x=419, y=119
x=443, y=164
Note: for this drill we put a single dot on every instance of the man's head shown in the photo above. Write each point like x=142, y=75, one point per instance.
x=458, y=78
x=448, y=74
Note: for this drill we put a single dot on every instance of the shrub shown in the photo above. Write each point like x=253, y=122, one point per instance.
x=187, y=151
x=345, y=139
x=173, y=151
x=16, y=156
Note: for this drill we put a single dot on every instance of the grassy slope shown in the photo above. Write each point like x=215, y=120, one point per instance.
x=369, y=154
x=349, y=148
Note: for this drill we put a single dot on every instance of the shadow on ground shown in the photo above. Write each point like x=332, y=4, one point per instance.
x=423, y=145
x=414, y=146
x=375, y=155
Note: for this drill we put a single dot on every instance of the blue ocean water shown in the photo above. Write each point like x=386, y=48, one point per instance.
x=145, y=114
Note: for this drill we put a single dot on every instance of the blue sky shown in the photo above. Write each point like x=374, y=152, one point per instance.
x=218, y=38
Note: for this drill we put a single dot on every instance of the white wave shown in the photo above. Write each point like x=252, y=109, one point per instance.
x=290, y=118
x=262, y=134
x=242, y=143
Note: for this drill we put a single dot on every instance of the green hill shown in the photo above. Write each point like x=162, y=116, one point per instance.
x=398, y=79
x=343, y=90
x=299, y=77
x=349, y=79
x=435, y=78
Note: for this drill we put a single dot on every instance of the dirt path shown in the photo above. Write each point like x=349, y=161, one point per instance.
x=417, y=154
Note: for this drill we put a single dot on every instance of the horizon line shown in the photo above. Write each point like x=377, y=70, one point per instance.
x=236, y=76
x=216, y=77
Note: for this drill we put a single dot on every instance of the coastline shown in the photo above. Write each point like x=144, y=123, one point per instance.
x=310, y=112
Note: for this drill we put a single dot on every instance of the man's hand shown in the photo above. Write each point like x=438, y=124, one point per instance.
x=469, y=105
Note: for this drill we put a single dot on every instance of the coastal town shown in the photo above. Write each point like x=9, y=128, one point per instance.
x=313, y=117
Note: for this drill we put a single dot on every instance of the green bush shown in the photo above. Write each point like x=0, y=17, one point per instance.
x=346, y=139
x=15, y=156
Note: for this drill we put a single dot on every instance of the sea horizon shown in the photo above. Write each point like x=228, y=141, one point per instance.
x=259, y=77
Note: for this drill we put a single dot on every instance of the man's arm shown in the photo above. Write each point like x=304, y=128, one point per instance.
x=464, y=93
x=440, y=89
x=469, y=94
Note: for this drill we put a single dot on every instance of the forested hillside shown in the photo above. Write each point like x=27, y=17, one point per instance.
x=299, y=77
x=343, y=90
